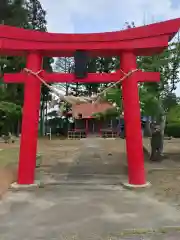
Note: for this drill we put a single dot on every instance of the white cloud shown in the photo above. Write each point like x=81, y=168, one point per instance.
x=58, y=18
x=153, y=10
x=61, y=14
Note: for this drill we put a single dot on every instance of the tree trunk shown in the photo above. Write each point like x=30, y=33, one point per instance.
x=67, y=122
x=46, y=117
x=41, y=119
x=162, y=126
x=18, y=127
x=147, y=129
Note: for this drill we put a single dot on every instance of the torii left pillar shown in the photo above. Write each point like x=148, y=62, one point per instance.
x=29, y=131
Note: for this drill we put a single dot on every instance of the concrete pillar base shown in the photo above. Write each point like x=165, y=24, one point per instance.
x=15, y=185
x=132, y=186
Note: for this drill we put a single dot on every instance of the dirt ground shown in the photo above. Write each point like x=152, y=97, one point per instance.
x=67, y=157
x=82, y=196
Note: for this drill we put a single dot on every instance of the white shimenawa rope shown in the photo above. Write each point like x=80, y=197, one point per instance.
x=77, y=100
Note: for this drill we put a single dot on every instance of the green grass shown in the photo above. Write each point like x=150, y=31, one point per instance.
x=136, y=232
x=8, y=156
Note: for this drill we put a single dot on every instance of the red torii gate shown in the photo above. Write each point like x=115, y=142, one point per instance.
x=127, y=44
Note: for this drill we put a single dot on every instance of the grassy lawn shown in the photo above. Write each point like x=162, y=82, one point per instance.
x=8, y=154
x=51, y=150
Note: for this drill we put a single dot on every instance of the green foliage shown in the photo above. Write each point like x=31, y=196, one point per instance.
x=173, y=122
x=35, y=15
x=114, y=96
x=169, y=101
x=9, y=113
x=167, y=64
x=13, y=13
x=150, y=105
x=26, y=14
x=10, y=109
x=173, y=130
x=173, y=115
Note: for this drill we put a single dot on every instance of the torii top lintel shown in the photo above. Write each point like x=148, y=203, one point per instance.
x=144, y=40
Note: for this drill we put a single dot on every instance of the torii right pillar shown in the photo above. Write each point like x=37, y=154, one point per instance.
x=132, y=117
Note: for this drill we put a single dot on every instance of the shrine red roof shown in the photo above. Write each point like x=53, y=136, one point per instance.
x=88, y=109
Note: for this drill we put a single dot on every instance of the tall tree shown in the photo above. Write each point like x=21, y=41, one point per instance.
x=36, y=15
x=27, y=14
x=37, y=21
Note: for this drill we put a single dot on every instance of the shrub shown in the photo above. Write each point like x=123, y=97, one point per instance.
x=173, y=129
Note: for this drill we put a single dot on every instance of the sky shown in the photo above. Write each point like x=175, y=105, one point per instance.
x=82, y=16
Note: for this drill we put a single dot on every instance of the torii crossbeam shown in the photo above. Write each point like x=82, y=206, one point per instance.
x=128, y=44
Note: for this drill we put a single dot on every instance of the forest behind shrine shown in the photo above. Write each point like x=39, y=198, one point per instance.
x=157, y=99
